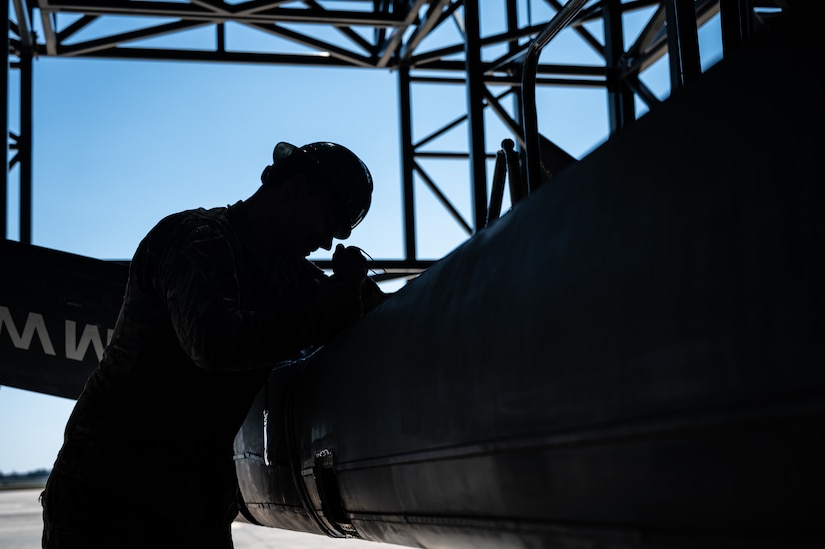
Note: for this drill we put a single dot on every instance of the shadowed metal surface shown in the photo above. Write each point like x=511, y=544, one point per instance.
x=631, y=358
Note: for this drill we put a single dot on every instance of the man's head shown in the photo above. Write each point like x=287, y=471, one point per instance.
x=330, y=166
x=328, y=186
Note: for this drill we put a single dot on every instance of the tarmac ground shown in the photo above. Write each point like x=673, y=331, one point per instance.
x=21, y=525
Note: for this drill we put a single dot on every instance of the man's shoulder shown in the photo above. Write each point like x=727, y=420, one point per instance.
x=184, y=229
x=197, y=219
x=196, y=214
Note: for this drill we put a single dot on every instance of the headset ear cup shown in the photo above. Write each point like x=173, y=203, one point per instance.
x=265, y=175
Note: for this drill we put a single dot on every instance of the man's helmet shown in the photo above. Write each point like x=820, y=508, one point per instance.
x=347, y=176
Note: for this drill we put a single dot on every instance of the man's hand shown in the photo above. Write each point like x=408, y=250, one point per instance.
x=349, y=262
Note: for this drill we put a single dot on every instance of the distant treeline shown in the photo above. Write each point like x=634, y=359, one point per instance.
x=32, y=478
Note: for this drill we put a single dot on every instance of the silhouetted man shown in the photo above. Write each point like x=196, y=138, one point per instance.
x=214, y=299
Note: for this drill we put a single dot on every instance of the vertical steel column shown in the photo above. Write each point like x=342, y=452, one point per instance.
x=407, y=162
x=4, y=124
x=620, y=106
x=682, y=42
x=475, y=112
x=511, y=15
x=735, y=20
x=24, y=144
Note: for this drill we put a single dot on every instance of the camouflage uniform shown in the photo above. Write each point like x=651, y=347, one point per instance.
x=148, y=447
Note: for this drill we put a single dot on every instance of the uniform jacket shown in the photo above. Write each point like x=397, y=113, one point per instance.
x=204, y=318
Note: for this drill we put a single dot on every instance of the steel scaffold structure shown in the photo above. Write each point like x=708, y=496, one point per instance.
x=393, y=35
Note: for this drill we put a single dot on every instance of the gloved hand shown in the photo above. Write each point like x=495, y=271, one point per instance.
x=337, y=305
x=348, y=261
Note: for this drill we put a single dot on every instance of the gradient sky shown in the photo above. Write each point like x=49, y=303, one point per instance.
x=120, y=144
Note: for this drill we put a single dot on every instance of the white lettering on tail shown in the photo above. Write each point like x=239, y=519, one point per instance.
x=90, y=335
x=34, y=324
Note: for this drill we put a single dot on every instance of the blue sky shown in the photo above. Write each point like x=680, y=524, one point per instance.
x=120, y=144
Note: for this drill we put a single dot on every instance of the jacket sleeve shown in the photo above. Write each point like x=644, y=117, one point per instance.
x=197, y=278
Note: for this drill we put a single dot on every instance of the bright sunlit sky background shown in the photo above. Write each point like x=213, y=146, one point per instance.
x=120, y=144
